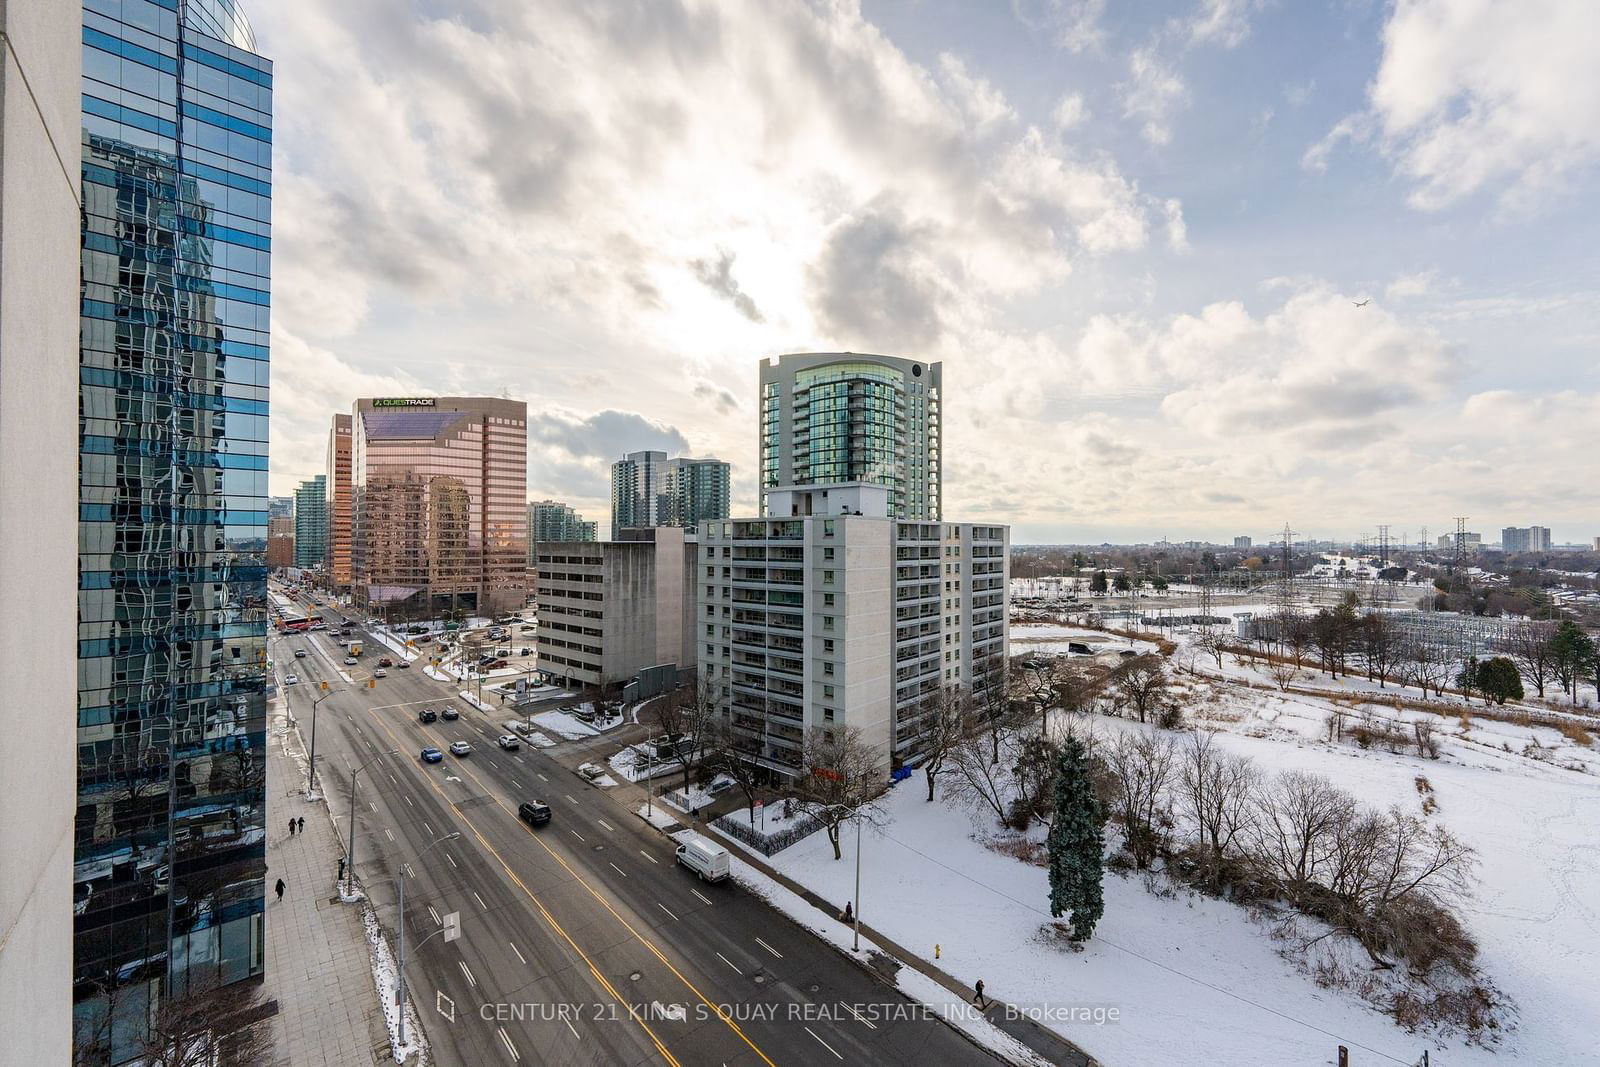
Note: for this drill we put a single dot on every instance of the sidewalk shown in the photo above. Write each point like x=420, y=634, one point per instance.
x=1048, y=1044
x=318, y=961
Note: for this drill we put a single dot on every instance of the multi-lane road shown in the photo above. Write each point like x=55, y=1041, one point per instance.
x=581, y=940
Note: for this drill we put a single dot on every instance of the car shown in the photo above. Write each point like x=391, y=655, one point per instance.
x=527, y=652
x=720, y=785
x=534, y=812
x=299, y=653
x=508, y=742
x=590, y=771
x=428, y=715
x=291, y=679
x=350, y=661
x=502, y=653
x=494, y=665
x=460, y=748
x=403, y=665
x=450, y=714
x=386, y=662
x=432, y=755
x=380, y=673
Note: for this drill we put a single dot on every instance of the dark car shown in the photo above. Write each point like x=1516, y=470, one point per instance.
x=432, y=755
x=429, y=715
x=450, y=714
x=533, y=812
x=386, y=662
x=495, y=665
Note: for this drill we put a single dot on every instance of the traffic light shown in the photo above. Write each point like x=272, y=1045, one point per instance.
x=323, y=686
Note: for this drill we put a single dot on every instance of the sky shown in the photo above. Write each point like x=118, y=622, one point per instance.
x=1136, y=235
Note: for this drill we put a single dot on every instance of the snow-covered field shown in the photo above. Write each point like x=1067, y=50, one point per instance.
x=1201, y=980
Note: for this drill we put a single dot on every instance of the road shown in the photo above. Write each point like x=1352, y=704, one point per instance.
x=582, y=941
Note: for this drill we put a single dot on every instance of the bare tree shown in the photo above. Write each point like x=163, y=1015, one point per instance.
x=724, y=756
x=1215, y=791
x=1213, y=642
x=1293, y=835
x=1140, y=682
x=212, y=1025
x=686, y=717
x=1380, y=647
x=1428, y=666
x=842, y=774
x=1282, y=672
x=980, y=781
x=1529, y=646
x=947, y=723
x=1141, y=767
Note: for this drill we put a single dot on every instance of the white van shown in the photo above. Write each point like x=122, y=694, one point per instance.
x=705, y=858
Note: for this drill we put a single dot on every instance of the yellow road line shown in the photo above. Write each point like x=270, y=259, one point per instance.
x=549, y=918
x=721, y=1012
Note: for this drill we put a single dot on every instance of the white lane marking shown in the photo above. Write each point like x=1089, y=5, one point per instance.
x=388, y=833
x=575, y=833
x=619, y=870
x=433, y=915
x=607, y=825
x=515, y=1055
x=452, y=860
x=729, y=962
x=649, y=857
x=479, y=899
x=519, y=759
x=473, y=982
x=666, y=909
x=769, y=948
x=702, y=897
x=374, y=807
x=862, y=1019
x=514, y=948
x=515, y=784
x=572, y=798
x=393, y=779
x=409, y=872
x=408, y=801
x=823, y=1043
x=428, y=828
x=542, y=778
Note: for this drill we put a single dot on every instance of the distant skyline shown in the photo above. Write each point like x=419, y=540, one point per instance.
x=1134, y=234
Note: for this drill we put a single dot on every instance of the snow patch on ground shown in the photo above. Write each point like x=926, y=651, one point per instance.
x=571, y=727
x=386, y=978
x=471, y=698
x=657, y=816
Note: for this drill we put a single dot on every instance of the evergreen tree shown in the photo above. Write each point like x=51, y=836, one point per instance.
x=1076, y=844
x=1571, y=651
x=1499, y=681
x=1097, y=584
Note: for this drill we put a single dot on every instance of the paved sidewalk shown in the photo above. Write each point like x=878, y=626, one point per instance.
x=318, y=965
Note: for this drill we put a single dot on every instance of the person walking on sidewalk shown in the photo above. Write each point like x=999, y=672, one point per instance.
x=280, y=887
x=978, y=999
x=291, y=827
x=302, y=826
x=847, y=916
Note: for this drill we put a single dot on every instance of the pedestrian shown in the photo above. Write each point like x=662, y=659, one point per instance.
x=848, y=916
x=978, y=999
x=302, y=826
x=341, y=870
x=280, y=887
x=291, y=827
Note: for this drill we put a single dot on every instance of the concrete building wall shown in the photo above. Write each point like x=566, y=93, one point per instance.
x=39, y=223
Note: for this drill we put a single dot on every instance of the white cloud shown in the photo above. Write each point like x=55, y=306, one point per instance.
x=1073, y=24
x=1408, y=285
x=1177, y=229
x=1069, y=112
x=1221, y=22
x=1153, y=93
x=1477, y=97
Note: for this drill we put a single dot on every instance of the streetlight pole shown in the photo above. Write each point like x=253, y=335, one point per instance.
x=350, y=849
x=856, y=945
x=311, y=780
x=400, y=987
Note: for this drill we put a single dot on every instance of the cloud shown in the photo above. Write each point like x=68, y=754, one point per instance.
x=1220, y=22
x=718, y=277
x=874, y=282
x=1072, y=24
x=1070, y=111
x=605, y=435
x=980, y=101
x=724, y=401
x=1152, y=94
x=1491, y=98
x=1409, y=285
x=1177, y=229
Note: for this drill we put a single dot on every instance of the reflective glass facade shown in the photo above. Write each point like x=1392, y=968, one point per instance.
x=172, y=671
x=311, y=523
x=439, y=505
x=843, y=417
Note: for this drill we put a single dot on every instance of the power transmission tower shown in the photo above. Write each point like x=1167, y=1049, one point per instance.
x=1383, y=546
x=1285, y=596
x=1461, y=544
x=1422, y=539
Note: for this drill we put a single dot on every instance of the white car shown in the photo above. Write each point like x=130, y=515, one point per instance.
x=459, y=748
x=590, y=771
x=299, y=653
x=380, y=673
x=508, y=742
x=350, y=661
x=291, y=679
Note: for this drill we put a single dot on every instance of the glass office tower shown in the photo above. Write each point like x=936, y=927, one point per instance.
x=172, y=669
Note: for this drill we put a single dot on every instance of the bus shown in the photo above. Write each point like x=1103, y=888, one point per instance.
x=294, y=624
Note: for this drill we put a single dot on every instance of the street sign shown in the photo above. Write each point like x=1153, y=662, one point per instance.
x=452, y=925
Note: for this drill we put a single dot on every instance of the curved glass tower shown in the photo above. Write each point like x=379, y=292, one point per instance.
x=172, y=669
x=834, y=417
